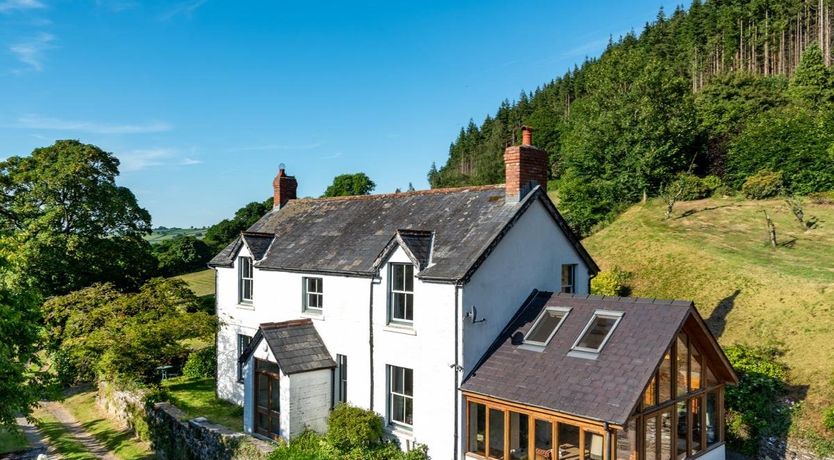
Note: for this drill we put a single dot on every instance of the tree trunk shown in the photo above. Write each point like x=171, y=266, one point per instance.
x=771, y=229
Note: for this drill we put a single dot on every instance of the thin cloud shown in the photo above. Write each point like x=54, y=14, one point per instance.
x=312, y=146
x=31, y=52
x=57, y=124
x=184, y=8
x=20, y=5
x=141, y=159
x=332, y=157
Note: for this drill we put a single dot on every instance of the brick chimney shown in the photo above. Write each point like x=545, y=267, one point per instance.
x=525, y=167
x=284, y=187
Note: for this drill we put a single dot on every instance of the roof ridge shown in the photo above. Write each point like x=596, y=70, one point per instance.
x=431, y=191
x=287, y=324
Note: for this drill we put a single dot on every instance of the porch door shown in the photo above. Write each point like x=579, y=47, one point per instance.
x=267, y=399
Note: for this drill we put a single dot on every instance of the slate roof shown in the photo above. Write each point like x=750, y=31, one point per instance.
x=346, y=235
x=257, y=243
x=604, y=389
x=296, y=345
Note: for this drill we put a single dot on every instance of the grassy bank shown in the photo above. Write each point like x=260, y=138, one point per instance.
x=716, y=252
x=12, y=442
x=116, y=439
x=196, y=398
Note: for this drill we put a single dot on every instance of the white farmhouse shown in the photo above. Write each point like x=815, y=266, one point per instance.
x=390, y=302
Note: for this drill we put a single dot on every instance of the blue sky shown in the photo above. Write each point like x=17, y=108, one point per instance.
x=202, y=99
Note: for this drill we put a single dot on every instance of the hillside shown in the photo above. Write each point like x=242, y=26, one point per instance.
x=161, y=234
x=716, y=252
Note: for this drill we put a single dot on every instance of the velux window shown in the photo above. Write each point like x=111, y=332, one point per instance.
x=313, y=294
x=597, y=331
x=401, y=309
x=546, y=325
x=245, y=279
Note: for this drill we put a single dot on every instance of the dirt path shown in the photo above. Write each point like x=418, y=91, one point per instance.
x=37, y=443
x=77, y=431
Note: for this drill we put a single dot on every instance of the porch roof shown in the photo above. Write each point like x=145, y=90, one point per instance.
x=296, y=345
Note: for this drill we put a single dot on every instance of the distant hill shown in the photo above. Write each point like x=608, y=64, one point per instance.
x=160, y=234
x=716, y=253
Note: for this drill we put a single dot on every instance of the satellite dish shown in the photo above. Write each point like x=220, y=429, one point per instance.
x=472, y=314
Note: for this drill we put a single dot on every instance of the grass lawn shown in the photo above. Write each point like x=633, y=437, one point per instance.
x=202, y=282
x=716, y=252
x=196, y=398
x=63, y=442
x=159, y=235
x=108, y=433
x=12, y=442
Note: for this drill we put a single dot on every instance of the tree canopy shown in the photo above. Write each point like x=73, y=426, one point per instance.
x=222, y=233
x=350, y=184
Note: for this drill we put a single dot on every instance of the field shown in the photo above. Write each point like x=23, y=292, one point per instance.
x=201, y=282
x=716, y=252
x=161, y=233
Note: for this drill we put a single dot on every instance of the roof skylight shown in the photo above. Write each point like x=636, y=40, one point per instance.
x=598, y=331
x=546, y=325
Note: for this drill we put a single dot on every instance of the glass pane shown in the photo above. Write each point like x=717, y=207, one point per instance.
x=712, y=418
x=711, y=380
x=593, y=446
x=567, y=278
x=650, y=395
x=695, y=439
x=682, y=373
x=409, y=307
x=650, y=436
x=683, y=429
x=496, y=433
x=666, y=435
x=626, y=442
x=275, y=396
x=275, y=426
x=546, y=324
x=665, y=379
x=398, y=408
x=263, y=391
x=263, y=421
x=568, y=442
x=543, y=441
x=519, y=431
x=408, y=415
x=477, y=428
x=695, y=369
x=408, y=382
x=600, y=327
x=409, y=277
x=399, y=306
x=397, y=382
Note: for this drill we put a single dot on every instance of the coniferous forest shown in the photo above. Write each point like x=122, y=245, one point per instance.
x=726, y=88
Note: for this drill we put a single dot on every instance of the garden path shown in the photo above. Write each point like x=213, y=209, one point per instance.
x=77, y=431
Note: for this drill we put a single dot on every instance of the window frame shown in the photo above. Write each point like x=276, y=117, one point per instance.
x=392, y=292
x=404, y=396
x=610, y=314
x=306, y=293
x=341, y=378
x=572, y=284
x=539, y=318
x=243, y=262
x=240, y=376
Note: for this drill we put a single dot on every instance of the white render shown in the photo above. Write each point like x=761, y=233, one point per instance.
x=530, y=256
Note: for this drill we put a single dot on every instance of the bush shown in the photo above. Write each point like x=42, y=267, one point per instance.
x=763, y=184
x=691, y=187
x=754, y=410
x=821, y=198
x=351, y=427
x=611, y=283
x=723, y=191
x=201, y=363
x=828, y=418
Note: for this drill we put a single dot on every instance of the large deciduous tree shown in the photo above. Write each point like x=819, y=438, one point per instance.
x=71, y=223
x=350, y=184
x=223, y=232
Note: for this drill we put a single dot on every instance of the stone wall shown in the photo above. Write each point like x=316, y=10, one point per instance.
x=777, y=449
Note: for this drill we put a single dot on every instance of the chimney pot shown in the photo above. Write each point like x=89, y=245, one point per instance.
x=526, y=135
x=284, y=188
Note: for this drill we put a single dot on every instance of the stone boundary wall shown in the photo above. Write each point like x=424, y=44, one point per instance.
x=172, y=435
x=777, y=449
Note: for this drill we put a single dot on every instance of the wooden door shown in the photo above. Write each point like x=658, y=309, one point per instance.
x=267, y=402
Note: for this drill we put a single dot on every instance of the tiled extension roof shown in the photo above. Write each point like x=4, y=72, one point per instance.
x=296, y=345
x=347, y=234
x=606, y=388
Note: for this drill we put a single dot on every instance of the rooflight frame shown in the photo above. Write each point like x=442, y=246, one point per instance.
x=539, y=318
x=617, y=316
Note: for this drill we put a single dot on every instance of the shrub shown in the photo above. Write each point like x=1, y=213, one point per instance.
x=611, y=283
x=351, y=427
x=763, y=184
x=722, y=191
x=821, y=198
x=201, y=363
x=690, y=187
x=754, y=410
x=828, y=418
x=712, y=183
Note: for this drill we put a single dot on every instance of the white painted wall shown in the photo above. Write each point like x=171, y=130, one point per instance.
x=309, y=401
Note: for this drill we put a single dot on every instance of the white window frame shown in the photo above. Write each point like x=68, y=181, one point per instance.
x=392, y=292
x=306, y=293
x=242, y=261
x=564, y=310
x=392, y=394
x=617, y=316
x=240, y=375
x=572, y=285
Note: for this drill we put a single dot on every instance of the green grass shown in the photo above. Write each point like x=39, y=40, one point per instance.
x=196, y=398
x=716, y=253
x=202, y=282
x=158, y=235
x=12, y=442
x=60, y=439
x=116, y=439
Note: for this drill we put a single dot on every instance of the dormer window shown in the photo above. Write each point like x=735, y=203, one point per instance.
x=245, y=279
x=546, y=325
x=401, y=303
x=597, y=331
